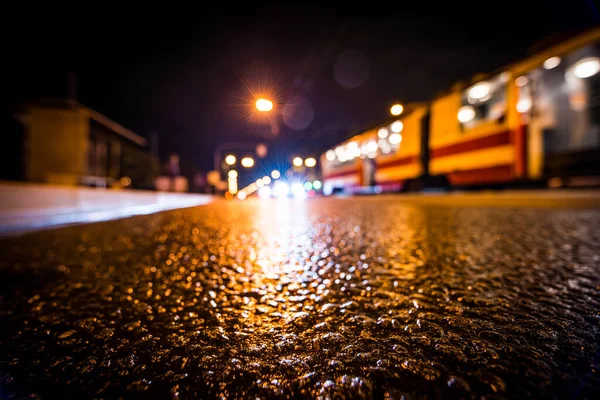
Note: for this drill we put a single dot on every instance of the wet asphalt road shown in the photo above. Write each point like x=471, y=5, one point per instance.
x=354, y=298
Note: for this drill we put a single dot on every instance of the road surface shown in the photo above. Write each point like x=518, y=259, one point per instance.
x=368, y=297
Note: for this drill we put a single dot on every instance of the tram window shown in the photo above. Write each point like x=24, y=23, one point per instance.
x=483, y=102
x=566, y=102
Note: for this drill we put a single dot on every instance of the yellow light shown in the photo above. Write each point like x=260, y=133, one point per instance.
x=125, y=181
x=230, y=159
x=247, y=162
x=330, y=155
x=232, y=174
x=297, y=161
x=264, y=105
x=310, y=162
x=396, y=109
x=241, y=195
x=275, y=174
x=259, y=182
x=266, y=180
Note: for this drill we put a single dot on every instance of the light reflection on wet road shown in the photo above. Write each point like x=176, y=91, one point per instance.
x=363, y=297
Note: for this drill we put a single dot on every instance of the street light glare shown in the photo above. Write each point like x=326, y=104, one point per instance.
x=247, y=162
x=264, y=105
x=310, y=162
x=230, y=159
x=396, y=109
x=297, y=161
x=275, y=174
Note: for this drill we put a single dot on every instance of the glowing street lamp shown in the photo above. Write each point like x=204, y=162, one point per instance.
x=396, y=109
x=230, y=159
x=264, y=105
x=297, y=161
x=310, y=162
x=247, y=162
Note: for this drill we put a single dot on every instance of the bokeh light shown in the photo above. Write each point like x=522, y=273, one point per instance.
x=230, y=159
x=247, y=162
x=396, y=109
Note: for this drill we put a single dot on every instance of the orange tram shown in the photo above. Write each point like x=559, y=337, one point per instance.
x=534, y=122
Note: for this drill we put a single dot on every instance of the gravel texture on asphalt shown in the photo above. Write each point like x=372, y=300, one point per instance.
x=340, y=298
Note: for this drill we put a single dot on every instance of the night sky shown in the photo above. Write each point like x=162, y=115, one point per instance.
x=189, y=74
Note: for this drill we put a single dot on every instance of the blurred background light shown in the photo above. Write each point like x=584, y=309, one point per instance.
x=125, y=181
x=587, y=67
x=397, y=126
x=297, y=161
x=241, y=195
x=396, y=109
x=552, y=62
x=317, y=185
x=232, y=174
x=330, y=155
x=524, y=105
x=308, y=186
x=310, y=162
x=382, y=133
x=230, y=159
x=298, y=190
x=466, y=114
x=372, y=146
x=275, y=174
x=281, y=189
x=247, y=162
x=522, y=81
x=266, y=180
x=264, y=192
x=479, y=91
x=395, y=138
x=261, y=150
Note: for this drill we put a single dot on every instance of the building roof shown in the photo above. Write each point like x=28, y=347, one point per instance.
x=93, y=115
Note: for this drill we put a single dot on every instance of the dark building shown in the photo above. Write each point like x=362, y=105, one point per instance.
x=64, y=142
